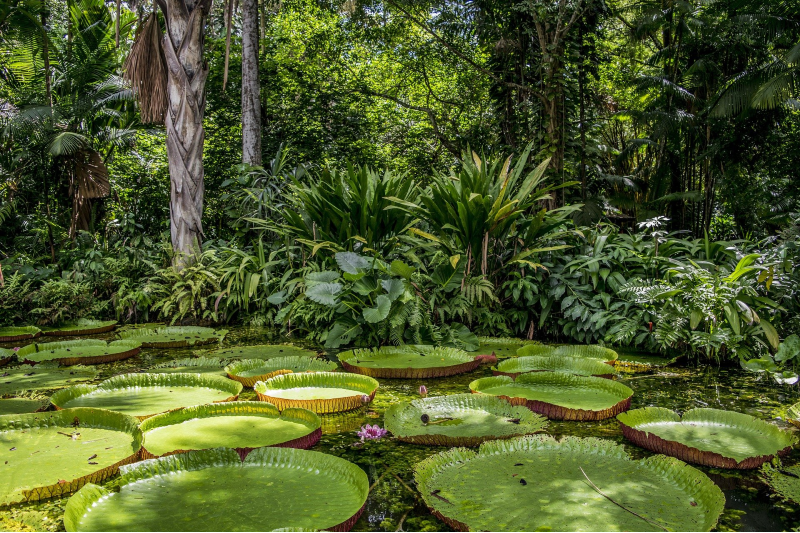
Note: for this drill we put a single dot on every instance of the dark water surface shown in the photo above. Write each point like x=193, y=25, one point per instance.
x=394, y=503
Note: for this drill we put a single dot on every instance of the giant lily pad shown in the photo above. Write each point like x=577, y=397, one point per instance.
x=19, y=333
x=44, y=376
x=250, y=371
x=555, y=363
x=242, y=426
x=214, y=490
x=144, y=395
x=642, y=362
x=173, y=336
x=408, y=362
x=261, y=351
x=560, y=396
x=192, y=365
x=79, y=352
x=55, y=453
x=537, y=483
x=6, y=356
x=460, y=420
x=710, y=437
x=83, y=326
x=321, y=392
x=15, y=406
x=793, y=415
x=578, y=350
x=784, y=480
x=502, y=347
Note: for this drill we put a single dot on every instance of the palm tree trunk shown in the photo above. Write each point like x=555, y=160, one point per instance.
x=251, y=104
x=186, y=80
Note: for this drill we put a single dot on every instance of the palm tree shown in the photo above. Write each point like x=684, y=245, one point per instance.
x=169, y=75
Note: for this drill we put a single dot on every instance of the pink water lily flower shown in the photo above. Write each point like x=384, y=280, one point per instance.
x=368, y=432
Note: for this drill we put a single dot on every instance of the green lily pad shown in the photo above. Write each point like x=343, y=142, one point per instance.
x=460, y=420
x=793, y=415
x=173, y=336
x=784, y=480
x=710, y=437
x=321, y=392
x=192, y=365
x=560, y=396
x=57, y=452
x=16, y=406
x=537, y=483
x=79, y=352
x=6, y=356
x=261, y=351
x=250, y=371
x=19, y=333
x=242, y=426
x=502, y=347
x=601, y=353
x=82, y=326
x=44, y=376
x=144, y=395
x=408, y=362
x=642, y=362
x=214, y=490
x=555, y=363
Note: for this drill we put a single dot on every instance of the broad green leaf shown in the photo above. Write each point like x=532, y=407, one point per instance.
x=351, y=262
x=401, y=269
x=373, y=315
x=393, y=287
x=771, y=334
x=324, y=293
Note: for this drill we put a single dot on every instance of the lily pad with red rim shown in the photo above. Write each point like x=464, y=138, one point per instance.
x=15, y=406
x=243, y=426
x=260, y=351
x=250, y=371
x=536, y=483
x=19, y=333
x=82, y=326
x=44, y=376
x=79, y=352
x=145, y=395
x=173, y=336
x=590, y=351
x=321, y=392
x=560, y=396
x=191, y=365
x=57, y=452
x=710, y=437
x=214, y=490
x=408, y=362
x=579, y=366
x=460, y=420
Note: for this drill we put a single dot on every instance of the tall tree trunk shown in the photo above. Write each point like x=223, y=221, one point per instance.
x=251, y=103
x=183, y=46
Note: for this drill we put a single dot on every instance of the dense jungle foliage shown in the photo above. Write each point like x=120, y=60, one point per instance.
x=579, y=171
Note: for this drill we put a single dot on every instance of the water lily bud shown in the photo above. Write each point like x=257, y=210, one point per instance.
x=423, y=391
x=364, y=399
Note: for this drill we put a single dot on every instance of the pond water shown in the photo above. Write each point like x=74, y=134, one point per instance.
x=394, y=504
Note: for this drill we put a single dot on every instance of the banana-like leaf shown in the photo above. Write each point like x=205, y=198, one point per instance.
x=55, y=453
x=321, y=392
x=301, y=489
x=710, y=437
x=243, y=426
x=408, y=362
x=560, y=396
x=79, y=352
x=144, y=395
x=536, y=483
x=460, y=420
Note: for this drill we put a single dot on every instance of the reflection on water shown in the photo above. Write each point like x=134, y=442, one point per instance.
x=389, y=463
